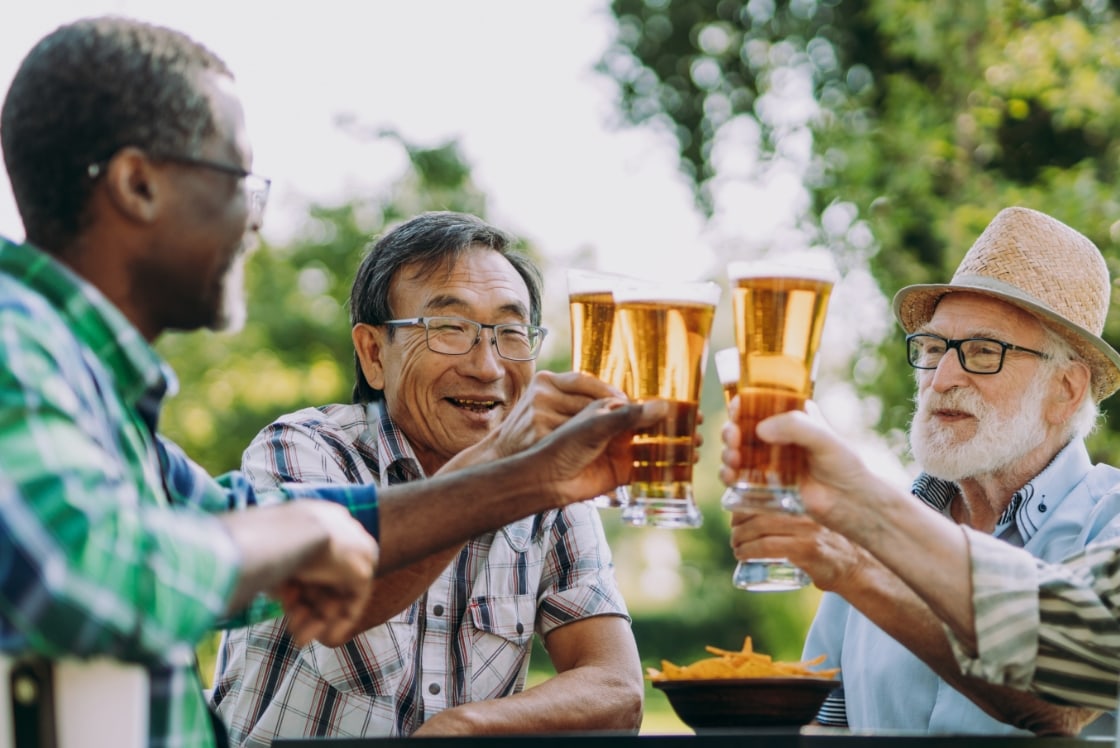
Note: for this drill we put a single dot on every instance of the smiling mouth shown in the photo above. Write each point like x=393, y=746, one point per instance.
x=477, y=406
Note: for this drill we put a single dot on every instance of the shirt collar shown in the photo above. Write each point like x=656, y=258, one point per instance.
x=140, y=375
x=1031, y=504
x=394, y=452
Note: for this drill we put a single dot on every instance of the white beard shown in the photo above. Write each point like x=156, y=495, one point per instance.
x=233, y=312
x=998, y=442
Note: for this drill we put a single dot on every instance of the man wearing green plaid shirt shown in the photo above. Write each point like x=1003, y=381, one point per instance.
x=126, y=148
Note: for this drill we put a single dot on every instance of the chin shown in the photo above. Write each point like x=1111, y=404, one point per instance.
x=233, y=311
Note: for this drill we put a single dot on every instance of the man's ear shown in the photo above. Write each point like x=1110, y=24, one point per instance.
x=369, y=341
x=1073, y=384
x=133, y=186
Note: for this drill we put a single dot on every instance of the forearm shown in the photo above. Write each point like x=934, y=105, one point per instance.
x=457, y=506
x=581, y=699
x=923, y=548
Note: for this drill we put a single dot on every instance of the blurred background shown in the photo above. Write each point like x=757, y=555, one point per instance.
x=657, y=138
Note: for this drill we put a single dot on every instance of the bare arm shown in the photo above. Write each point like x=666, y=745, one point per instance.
x=598, y=686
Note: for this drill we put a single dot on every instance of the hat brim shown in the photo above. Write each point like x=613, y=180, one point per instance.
x=914, y=306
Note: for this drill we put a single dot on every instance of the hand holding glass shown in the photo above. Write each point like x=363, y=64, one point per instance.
x=779, y=312
x=756, y=574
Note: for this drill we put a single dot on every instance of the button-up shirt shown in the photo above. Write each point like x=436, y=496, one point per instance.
x=468, y=638
x=107, y=542
x=885, y=687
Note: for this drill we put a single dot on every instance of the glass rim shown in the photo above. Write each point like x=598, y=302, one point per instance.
x=595, y=281
x=770, y=268
x=669, y=292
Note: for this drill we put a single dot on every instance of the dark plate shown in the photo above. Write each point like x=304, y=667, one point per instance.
x=746, y=702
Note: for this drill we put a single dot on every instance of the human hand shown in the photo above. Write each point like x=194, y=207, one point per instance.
x=548, y=402
x=590, y=454
x=827, y=557
x=324, y=597
x=836, y=488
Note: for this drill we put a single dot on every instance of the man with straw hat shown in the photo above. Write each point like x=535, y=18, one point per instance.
x=1011, y=368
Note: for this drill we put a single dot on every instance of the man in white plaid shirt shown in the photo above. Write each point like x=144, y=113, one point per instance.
x=446, y=333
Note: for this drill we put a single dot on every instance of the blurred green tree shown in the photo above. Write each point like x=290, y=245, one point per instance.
x=926, y=118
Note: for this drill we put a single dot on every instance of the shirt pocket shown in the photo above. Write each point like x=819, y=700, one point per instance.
x=501, y=638
x=375, y=662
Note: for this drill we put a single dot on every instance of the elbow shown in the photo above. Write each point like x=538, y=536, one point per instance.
x=628, y=705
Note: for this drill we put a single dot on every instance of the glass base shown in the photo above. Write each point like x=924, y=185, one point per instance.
x=748, y=498
x=769, y=575
x=673, y=514
x=619, y=497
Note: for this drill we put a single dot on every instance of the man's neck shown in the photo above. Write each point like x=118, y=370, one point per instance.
x=983, y=498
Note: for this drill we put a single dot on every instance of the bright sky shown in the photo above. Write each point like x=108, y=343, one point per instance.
x=512, y=80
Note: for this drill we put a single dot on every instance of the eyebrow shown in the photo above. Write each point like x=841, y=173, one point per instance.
x=444, y=302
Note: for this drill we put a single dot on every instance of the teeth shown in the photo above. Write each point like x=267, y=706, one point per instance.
x=476, y=403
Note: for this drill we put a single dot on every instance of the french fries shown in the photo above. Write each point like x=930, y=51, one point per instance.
x=746, y=663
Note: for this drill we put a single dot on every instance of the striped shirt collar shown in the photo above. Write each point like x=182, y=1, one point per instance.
x=141, y=377
x=395, y=457
x=1029, y=506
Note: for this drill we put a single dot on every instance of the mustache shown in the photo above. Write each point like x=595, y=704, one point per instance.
x=966, y=400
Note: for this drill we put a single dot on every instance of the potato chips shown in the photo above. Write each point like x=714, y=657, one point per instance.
x=745, y=663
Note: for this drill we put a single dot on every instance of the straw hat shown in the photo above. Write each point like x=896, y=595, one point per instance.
x=1037, y=263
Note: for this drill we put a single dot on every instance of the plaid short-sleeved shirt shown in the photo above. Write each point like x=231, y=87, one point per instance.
x=468, y=638
x=108, y=546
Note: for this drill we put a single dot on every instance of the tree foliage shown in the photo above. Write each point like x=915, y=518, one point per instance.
x=929, y=118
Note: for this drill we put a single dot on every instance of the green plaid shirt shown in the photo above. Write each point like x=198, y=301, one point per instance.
x=108, y=545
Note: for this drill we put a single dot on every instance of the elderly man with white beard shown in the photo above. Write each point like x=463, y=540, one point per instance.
x=1010, y=370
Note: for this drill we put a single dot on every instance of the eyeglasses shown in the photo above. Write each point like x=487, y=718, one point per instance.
x=456, y=336
x=976, y=355
x=256, y=186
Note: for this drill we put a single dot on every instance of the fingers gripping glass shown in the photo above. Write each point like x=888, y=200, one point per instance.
x=455, y=336
x=976, y=355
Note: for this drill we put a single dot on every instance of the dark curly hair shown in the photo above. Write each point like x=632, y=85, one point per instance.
x=85, y=91
x=431, y=241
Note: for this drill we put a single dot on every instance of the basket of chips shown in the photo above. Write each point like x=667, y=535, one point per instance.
x=744, y=689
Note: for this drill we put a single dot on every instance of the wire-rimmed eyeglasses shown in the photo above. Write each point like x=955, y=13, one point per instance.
x=455, y=336
x=256, y=186
x=976, y=355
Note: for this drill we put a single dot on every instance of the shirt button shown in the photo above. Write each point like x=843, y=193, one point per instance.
x=520, y=628
x=433, y=689
x=437, y=610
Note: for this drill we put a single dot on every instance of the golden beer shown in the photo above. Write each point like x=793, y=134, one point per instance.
x=666, y=346
x=596, y=343
x=778, y=323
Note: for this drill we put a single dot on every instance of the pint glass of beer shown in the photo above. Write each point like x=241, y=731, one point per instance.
x=665, y=329
x=757, y=574
x=779, y=312
x=596, y=342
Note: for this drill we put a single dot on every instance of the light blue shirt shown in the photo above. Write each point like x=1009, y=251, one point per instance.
x=886, y=688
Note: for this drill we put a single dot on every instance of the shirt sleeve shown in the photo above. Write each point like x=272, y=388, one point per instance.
x=92, y=558
x=1048, y=628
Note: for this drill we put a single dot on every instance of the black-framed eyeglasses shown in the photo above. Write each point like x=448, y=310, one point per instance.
x=256, y=186
x=455, y=336
x=976, y=355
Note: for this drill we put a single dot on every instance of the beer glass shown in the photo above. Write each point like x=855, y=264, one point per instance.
x=779, y=312
x=596, y=342
x=665, y=329
x=757, y=574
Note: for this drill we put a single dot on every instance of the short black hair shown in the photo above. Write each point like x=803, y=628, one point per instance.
x=430, y=240
x=85, y=91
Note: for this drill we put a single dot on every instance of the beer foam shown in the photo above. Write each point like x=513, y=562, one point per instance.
x=594, y=281
x=698, y=292
x=809, y=266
